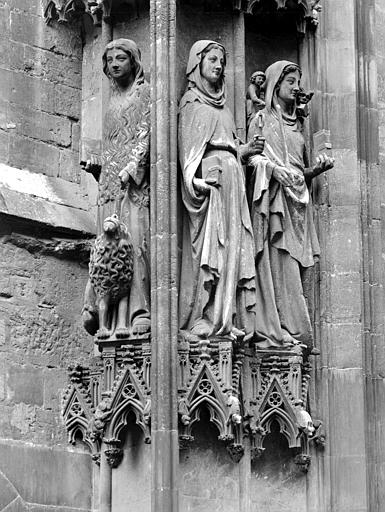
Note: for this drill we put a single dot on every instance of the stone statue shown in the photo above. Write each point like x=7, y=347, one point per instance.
x=254, y=95
x=284, y=233
x=110, y=271
x=123, y=176
x=217, y=287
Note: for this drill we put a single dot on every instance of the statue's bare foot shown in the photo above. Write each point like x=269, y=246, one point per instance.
x=141, y=326
x=103, y=333
x=288, y=340
x=238, y=333
x=202, y=328
x=122, y=332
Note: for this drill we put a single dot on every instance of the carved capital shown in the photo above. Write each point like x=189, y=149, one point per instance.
x=113, y=453
x=235, y=451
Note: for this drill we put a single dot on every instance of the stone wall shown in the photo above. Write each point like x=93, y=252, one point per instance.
x=42, y=275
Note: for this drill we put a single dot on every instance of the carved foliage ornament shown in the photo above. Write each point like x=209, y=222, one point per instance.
x=67, y=10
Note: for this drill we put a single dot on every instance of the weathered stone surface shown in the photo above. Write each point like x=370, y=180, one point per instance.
x=33, y=31
x=25, y=384
x=46, y=476
x=45, y=200
x=131, y=480
x=208, y=479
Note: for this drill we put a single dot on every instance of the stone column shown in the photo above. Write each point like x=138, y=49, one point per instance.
x=164, y=423
x=340, y=374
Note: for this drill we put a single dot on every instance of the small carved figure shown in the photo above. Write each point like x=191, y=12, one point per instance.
x=234, y=408
x=286, y=242
x=97, y=424
x=254, y=95
x=304, y=421
x=316, y=8
x=124, y=164
x=183, y=411
x=303, y=99
x=147, y=421
x=110, y=269
x=217, y=276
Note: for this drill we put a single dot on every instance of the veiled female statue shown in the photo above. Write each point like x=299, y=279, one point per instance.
x=284, y=233
x=217, y=288
x=123, y=176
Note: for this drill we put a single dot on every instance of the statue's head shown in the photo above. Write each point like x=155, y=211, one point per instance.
x=111, y=225
x=257, y=78
x=122, y=61
x=282, y=81
x=212, y=64
x=206, y=71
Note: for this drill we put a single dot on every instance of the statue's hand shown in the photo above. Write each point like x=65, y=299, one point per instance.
x=201, y=186
x=124, y=175
x=93, y=165
x=323, y=164
x=283, y=176
x=256, y=145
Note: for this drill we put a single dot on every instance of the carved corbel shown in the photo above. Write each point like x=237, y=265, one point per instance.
x=113, y=453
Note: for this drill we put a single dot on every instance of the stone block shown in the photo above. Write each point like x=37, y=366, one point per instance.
x=30, y=7
x=18, y=505
x=348, y=488
x=341, y=75
x=7, y=492
x=345, y=345
x=344, y=179
x=342, y=119
x=75, y=138
x=347, y=413
x=67, y=101
x=5, y=21
x=33, y=31
x=41, y=126
x=54, y=382
x=46, y=476
x=47, y=65
x=69, y=166
x=34, y=155
x=345, y=298
x=25, y=384
x=30, y=92
x=342, y=249
x=4, y=146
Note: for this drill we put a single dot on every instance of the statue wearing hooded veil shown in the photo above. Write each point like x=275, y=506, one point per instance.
x=284, y=232
x=123, y=176
x=217, y=288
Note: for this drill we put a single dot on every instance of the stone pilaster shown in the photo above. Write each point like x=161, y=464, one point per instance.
x=164, y=420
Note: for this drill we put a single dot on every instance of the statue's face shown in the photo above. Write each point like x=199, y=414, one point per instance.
x=119, y=64
x=212, y=65
x=289, y=87
x=259, y=79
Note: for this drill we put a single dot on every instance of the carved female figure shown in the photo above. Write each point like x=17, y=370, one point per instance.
x=124, y=177
x=282, y=217
x=217, y=290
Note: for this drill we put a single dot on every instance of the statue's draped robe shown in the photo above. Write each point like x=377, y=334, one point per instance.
x=284, y=233
x=217, y=275
x=126, y=138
